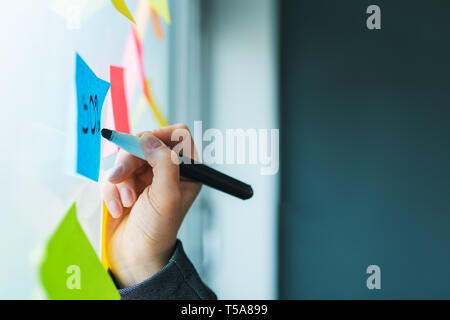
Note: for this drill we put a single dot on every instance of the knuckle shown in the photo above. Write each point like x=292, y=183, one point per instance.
x=164, y=206
x=181, y=126
x=180, y=135
x=142, y=133
x=182, y=130
x=173, y=157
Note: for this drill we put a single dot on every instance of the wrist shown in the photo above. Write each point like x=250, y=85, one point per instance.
x=128, y=275
x=131, y=270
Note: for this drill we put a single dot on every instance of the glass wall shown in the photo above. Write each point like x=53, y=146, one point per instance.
x=216, y=68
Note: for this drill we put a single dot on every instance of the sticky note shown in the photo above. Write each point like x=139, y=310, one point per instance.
x=131, y=65
x=162, y=121
x=157, y=26
x=162, y=8
x=139, y=55
x=109, y=148
x=139, y=110
x=91, y=93
x=142, y=16
x=119, y=100
x=71, y=270
x=105, y=236
x=121, y=6
x=109, y=226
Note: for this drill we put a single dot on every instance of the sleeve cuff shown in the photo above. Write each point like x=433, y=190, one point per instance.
x=178, y=280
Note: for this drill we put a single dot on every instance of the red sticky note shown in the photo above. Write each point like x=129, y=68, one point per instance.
x=119, y=100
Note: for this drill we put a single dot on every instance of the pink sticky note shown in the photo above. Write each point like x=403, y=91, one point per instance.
x=140, y=58
x=119, y=100
x=132, y=75
x=131, y=65
x=108, y=147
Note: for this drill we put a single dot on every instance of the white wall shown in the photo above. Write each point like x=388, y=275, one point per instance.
x=37, y=88
x=242, y=86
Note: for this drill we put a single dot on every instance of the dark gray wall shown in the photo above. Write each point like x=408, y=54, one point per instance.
x=365, y=149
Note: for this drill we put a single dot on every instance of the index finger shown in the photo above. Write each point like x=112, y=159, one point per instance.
x=126, y=165
x=179, y=138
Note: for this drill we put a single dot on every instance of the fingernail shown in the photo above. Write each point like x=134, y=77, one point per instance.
x=126, y=196
x=114, y=208
x=152, y=143
x=117, y=171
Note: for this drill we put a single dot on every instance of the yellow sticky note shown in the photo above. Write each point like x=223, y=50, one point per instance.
x=109, y=226
x=162, y=121
x=123, y=9
x=138, y=110
x=162, y=8
x=104, y=249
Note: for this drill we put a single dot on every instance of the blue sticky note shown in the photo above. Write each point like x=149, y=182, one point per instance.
x=91, y=93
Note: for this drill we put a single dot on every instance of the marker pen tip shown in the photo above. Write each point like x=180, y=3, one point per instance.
x=106, y=133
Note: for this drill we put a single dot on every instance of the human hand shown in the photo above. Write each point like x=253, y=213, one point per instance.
x=148, y=202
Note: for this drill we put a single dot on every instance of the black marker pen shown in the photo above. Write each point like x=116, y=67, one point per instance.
x=188, y=167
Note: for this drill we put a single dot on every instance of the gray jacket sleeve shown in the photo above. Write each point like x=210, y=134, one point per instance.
x=178, y=280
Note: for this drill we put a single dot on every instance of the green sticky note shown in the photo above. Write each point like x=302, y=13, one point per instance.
x=71, y=269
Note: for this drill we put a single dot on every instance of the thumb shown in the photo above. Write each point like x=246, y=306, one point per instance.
x=165, y=167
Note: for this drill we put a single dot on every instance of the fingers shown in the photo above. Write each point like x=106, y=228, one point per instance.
x=132, y=175
x=165, y=133
x=179, y=138
x=112, y=200
x=123, y=177
x=119, y=192
x=127, y=192
x=121, y=187
x=166, y=171
x=118, y=197
x=126, y=165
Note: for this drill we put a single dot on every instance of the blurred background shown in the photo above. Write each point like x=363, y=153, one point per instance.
x=364, y=169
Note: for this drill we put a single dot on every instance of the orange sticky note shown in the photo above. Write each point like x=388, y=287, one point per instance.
x=157, y=25
x=162, y=8
x=121, y=6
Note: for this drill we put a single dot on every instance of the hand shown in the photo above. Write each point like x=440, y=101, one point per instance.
x=148, y=202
